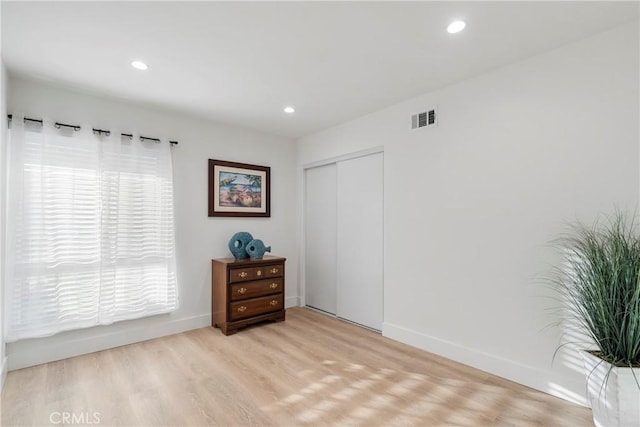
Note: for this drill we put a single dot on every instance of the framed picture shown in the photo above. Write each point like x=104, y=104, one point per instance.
x=239, y=189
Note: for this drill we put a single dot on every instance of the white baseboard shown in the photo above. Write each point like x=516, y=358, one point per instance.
x=291, y=302
x=23, y=354
x=545, y=381
x=3, y=372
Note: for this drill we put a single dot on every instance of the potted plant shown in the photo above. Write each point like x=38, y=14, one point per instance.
x=599, y=285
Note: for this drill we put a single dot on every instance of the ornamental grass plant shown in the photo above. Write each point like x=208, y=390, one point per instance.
x=600, y=286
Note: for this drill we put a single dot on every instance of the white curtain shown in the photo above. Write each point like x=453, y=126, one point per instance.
x=90, y=229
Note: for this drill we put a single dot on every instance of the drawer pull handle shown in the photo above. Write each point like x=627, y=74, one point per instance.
x=273, y=270
x=243, y=274
x=273, y=303
x=259, y=273
x=241, y=309
x=273, y=285
x=242, y=291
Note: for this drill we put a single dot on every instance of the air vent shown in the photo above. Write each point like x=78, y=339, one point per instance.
x=424, y=119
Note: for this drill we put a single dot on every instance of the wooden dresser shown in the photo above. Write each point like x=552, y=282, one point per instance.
x=246, y=291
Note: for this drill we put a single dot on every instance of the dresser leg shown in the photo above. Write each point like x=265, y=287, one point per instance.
x=228, y=331
x=282, y=316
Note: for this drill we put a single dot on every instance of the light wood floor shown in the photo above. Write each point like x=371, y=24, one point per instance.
x=310, y=370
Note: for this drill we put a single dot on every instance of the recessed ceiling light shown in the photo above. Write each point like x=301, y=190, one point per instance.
x=139, y=65
x=289, y=110
x=456, y=27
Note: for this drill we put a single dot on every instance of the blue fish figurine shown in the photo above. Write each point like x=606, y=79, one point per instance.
x=238, y=244
x=256, y=249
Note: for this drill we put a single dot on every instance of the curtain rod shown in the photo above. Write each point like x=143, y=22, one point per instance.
x=98, y=131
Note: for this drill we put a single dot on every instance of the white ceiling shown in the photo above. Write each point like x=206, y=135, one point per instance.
x=242, y=62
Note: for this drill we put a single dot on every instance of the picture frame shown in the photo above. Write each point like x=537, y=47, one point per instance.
x=239, y=189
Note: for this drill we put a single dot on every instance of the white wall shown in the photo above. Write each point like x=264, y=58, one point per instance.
x=3, y=150
x=198, y=237
x=471, y=205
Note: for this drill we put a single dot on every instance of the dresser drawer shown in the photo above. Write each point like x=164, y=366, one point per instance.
x=256, y=289
x=274, y=270
x=255, y=273
x=253, y=307
x=245, y=274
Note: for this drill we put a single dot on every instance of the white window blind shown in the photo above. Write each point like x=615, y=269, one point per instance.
x=90, y=230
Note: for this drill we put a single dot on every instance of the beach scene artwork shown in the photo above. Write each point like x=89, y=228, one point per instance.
x=240, y=190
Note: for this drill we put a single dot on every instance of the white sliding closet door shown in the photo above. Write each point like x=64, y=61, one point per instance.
x=320, y=238
x=360, y=240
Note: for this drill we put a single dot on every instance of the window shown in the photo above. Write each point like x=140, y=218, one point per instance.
x=90, y=229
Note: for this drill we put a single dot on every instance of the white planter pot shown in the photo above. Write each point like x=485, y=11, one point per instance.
x=615, y=401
